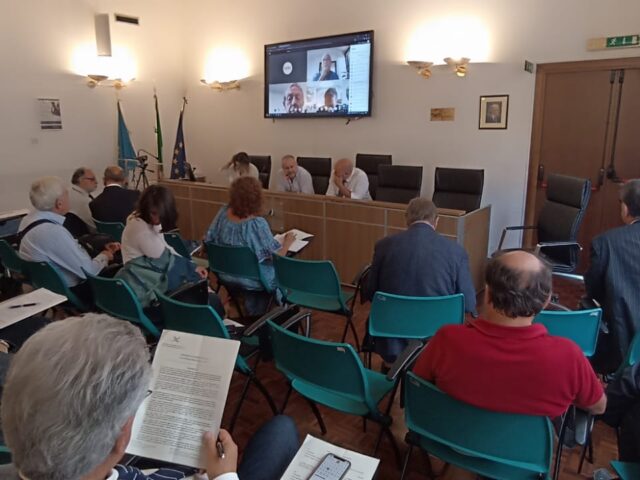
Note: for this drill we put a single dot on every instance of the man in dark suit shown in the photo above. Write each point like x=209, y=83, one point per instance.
x=115, y=203
x=613, y=280
x=418, y=262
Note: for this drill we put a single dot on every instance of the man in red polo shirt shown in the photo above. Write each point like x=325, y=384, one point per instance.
x=503, y=362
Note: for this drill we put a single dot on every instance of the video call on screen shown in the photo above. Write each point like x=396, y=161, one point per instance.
x=327, y=76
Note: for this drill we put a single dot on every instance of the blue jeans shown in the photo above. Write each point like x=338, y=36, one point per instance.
x=270, y=450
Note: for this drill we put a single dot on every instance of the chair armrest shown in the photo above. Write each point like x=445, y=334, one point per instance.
x=583, y=426
x=357, y=281
x=408, y=355
x=296, y=318
x=556, y=244
x=364, y=271
x=513, y=228
x=255, y=326
x=572, y=276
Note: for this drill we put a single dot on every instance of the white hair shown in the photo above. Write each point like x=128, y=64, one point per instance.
x=45, y=191
x=69, y=391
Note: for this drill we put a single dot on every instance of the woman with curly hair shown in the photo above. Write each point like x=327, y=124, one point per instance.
x=239, y=224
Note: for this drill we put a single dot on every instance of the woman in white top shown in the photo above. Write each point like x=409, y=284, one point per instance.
x=240, y=166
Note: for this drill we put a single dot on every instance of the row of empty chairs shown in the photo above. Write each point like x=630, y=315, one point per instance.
x=454, y=188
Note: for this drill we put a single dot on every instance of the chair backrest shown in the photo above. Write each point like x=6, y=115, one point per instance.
x=263, y=164
x=626, y=470
x=320, y=170
x=115, y=297
x=235, y=261
x=45, y=275
x=75, y=225
x=114, y=229
x=329, y=365
x=561, y=216
x=176, y=242
x=369, y=163
x=10, y=258
x=633, y=353
x=458, y=188
x=315, y=277
x=398, y=183
x=479, y=440
x=397, y=316
x=581, y=326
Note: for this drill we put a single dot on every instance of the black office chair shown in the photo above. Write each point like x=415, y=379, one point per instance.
x=320, y=170
x=263, y=164
x=559, y=221
x=458, y=188
x=369, y=163
x=398, y=183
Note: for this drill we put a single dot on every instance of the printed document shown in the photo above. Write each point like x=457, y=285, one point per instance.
x=299, y=243
x=188, y=391
x=29, y=304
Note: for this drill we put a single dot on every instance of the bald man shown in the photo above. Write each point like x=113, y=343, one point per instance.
x=115, y=203
x=348, y=182
x=504, y=362
x=293, y=178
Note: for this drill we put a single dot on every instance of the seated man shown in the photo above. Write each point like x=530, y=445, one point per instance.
x=505, y=363
x=83, y=183
x=116, y=202
x=69, y=402
x=294, y=178
x=613, y=279
x=43, y=238
x=418, y=262
x=348, y=182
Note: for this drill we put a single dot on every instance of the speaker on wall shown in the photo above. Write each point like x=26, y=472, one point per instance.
x=103, y=35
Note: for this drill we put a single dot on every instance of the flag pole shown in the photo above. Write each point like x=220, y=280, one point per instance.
x=158, y=130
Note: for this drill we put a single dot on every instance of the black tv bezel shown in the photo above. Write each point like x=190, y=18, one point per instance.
x=323, y=115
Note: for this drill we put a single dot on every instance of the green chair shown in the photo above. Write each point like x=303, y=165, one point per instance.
x=397, y=316
x=581, y=326
x=626, y=470
x=315, y=285
x=237, y=262
x=10, y=259
x=5, y=455
x=175, y=241
x=633, y=353
x=115, y=297
x=114, y=229
x=332, y=375
x=203, y=320
x=496, y=445
x=45, y=275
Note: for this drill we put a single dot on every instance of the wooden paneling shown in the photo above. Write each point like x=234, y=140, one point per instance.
x=355, y=213
x=476, y=243
x=209, y=194
x=350, y=246
x=315, y=249
x=180, y=190
x=184, y=217
x=203, y=214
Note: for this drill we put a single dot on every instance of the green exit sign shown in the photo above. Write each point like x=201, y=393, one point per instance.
x=623, y=41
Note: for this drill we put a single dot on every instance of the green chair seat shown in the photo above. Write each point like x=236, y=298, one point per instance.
x=320, y=302
x=626, y=470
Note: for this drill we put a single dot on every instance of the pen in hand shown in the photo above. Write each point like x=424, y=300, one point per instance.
x=220, y=449
x=24, y=305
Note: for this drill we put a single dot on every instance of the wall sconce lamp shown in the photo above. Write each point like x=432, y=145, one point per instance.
x=459, y=65
x=222, y=86
x=95, y=80
x=424, y=68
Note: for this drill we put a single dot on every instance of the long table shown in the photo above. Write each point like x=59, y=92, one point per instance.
x=345, y=231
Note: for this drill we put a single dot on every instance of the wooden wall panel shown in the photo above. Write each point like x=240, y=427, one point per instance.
x=355, y=213
x=183, y=205
x=315, y=249
x=350, y=246
x=203, y=214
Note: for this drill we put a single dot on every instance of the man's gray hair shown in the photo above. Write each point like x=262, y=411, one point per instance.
x=421, y=209
x=114, y=174
x=69, y=392
x=78, y=174
x=45, y=191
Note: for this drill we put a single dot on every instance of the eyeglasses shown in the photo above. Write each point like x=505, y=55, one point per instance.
x=91, y=179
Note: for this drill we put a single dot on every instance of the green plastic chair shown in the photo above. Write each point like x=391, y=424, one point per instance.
x=581, y=326
x=176, y=242
x=316, y=285
x=114, y=229
x=45, y=275
x=203, y=320
x=332, y=375
x=115, y=297
x=398, y=316
x=5, y=455
x=633, y=352
x=10, y=258
x=626, y=470
x=502, y=446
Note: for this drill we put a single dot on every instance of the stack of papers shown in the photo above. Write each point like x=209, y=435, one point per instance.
x=24, y=306
x=299, y=243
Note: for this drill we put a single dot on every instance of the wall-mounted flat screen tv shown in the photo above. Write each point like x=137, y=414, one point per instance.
x=319, y=77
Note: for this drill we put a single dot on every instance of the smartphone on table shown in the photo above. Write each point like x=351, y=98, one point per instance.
x=331, y=467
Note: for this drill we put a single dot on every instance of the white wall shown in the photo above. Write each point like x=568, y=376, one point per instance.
x=220, y=124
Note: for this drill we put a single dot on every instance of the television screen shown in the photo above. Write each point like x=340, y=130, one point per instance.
x=319, y=77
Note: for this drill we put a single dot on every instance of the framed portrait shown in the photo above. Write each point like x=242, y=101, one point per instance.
x=494, y=112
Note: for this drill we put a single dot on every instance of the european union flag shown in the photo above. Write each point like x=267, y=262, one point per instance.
x=126, y=153
x=179, y=161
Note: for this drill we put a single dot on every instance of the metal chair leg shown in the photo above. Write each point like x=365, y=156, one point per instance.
x=558, y=459
x=286, y=399
x=588, y=445
x=316, y=412
x=236, y=413
x=407, y=457
x=266, y=394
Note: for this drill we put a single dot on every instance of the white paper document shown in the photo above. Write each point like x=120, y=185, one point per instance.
x=313, y=451
x=299, y=243
x=26, y=305
x=188, y=391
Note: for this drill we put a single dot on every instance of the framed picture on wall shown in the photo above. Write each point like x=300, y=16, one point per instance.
x=494, y=112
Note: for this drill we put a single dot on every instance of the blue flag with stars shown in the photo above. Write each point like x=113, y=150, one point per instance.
x=126, y=153
x=179, y=154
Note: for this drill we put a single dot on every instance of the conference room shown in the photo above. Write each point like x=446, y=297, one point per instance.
x=366, y=202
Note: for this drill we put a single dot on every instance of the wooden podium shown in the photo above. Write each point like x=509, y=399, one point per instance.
x=345, y=231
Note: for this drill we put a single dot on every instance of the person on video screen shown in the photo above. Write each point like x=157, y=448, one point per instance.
x=326, y=73
x=330, y=101
x=294, y=99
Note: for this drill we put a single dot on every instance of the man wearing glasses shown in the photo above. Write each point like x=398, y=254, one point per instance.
x=83, y=183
